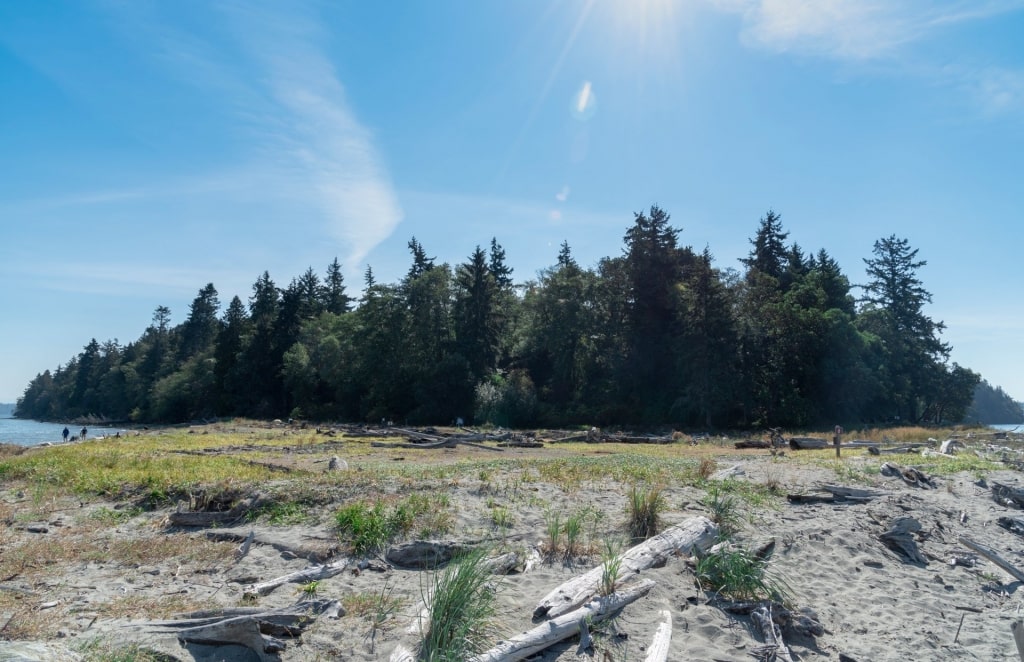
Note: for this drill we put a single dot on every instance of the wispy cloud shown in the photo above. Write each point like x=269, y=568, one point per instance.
x=286, y=95
x=852, y=29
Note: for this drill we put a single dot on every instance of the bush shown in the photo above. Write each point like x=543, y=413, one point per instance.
x=461, y=606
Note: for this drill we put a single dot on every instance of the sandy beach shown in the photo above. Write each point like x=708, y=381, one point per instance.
x=87, y=576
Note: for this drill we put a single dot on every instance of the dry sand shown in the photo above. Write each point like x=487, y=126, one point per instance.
x=872, y=605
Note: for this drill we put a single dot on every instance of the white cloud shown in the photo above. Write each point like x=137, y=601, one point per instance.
x=563, y=195
x=851, y=29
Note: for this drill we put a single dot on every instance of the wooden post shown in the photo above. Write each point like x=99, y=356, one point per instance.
x=835, y=439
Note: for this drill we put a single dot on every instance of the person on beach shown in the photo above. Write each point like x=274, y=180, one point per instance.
x=85, y=431
x=66, y=433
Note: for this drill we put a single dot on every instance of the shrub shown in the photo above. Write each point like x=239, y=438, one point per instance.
x=737, y=574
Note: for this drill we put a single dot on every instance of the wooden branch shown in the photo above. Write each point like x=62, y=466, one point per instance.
x=695, y=533
x=526, y=644
x=910, y=475
x=314, y=573
x=762, y=617
x=658, y=650
x=992, y=556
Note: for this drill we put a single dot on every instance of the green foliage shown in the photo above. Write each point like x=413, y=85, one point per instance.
x=460, y=601
x=740, y=575
x=644, y=505
x=611, y=565
x=656, y=335
x=368, y=528
x=724, y=508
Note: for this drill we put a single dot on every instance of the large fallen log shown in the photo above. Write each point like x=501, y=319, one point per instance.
x=658, y=650
x=896, y=450
x=992, y=556
x=1012, y=524
x=254, y=628
x=808, y=443
x=314, y=573
x=752, y=443
x=562, y=627
x=207, y=519
x=697, y=533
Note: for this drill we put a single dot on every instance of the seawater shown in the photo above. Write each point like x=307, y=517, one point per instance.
x=32, y=433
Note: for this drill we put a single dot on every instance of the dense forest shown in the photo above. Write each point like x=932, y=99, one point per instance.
x=656, y=336
x=993, y=405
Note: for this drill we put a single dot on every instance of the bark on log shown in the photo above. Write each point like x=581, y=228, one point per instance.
x=314, y=573
x=992, y=556
x=696, y=533
x=774, y=647
x=658, y=650
x=1012, y=524
x=526, y=644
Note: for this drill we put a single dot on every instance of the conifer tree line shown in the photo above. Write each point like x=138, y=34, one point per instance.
x=656, y=336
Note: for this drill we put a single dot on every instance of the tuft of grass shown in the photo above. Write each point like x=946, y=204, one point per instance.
x=369, y=527
x=740, y=575
x=644, y=506
x=611, y=563
x=553, y=529
x=98, y=650
x=461, y=607
x=502, y=517
x=573, y=529
x=724, y=508
x=366, y=526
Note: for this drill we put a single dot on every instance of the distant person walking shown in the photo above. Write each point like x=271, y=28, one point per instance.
x=66, y=433
x=85, y=431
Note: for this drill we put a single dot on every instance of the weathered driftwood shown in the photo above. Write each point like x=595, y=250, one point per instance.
x=752, y=443
x=950, y=446
x=1017, y=628
x=774, y=648
x=318, y=551
x=254, y=628
x=562, y=627
x=804, y=622
x=1011, y=497
x=899, y=539
x=658, y=650
x=696, y=533
x=314, y=573
x=401, y=654
x=992, y=556
x=852, y=492
x=910, y=475
x=206, y=519
x=734, y=470
x=895, y=450
x=1012, y=524
x=930, y=453
x=423, y=554
x=808, y=443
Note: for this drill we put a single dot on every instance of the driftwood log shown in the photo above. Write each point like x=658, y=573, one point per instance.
x=836, y=494
x=562, y=627
x=808, y=443
x=734, y=470
x=1012, y=524
x=314, y=573
x=774, y=648
x=697, y=533
x=992, y=556
x=208, y=519
x=1017, y=628
x=910, y=475
x=899, y=538
x=254, y=628
x=752, y=443
x=895, y=450
x=658, y=650
x=1011, y=497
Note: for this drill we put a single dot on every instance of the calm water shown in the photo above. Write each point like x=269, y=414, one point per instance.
x=32, y=433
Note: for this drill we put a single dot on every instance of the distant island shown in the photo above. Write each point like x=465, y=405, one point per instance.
x=6, y=409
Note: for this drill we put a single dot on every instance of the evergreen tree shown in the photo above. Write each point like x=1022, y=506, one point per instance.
x=500, y=271
x=893, y=309
x=768, y=255
x=335, y=298
x=200, y=329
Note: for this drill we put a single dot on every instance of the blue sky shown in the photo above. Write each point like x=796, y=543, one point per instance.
x=149, y=148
